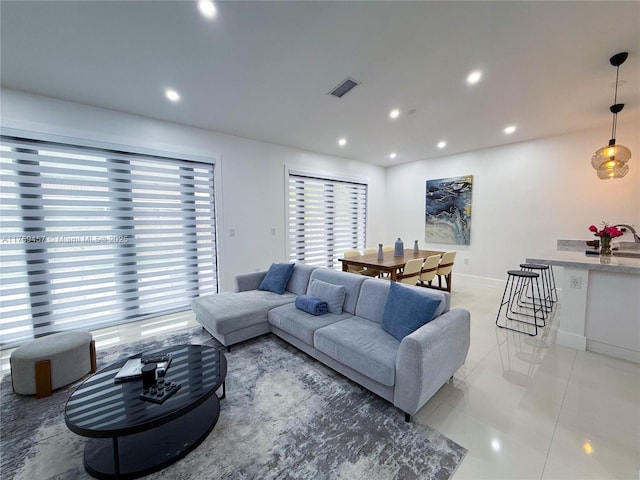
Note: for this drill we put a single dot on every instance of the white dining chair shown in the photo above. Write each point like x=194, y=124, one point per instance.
x=429, y=269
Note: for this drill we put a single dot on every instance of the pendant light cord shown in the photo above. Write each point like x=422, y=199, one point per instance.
x=615, y=101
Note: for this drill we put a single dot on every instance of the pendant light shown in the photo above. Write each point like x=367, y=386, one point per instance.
x=611, y=161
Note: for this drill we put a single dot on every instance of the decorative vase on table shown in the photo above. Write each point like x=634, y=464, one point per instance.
x=399, y=248
x=380, y=252
x=416, y=249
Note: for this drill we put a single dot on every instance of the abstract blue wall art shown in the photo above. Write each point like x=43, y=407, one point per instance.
x=448, y=210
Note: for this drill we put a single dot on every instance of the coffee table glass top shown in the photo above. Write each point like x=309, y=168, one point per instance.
x=101, y=408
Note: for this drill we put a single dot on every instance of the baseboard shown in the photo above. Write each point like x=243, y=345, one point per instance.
x=613, y=351
x=579, y=342
x=477, y=281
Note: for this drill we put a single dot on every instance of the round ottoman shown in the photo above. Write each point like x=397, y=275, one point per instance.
x=51, y=362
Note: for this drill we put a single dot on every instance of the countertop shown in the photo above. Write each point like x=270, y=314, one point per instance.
x=589, y=262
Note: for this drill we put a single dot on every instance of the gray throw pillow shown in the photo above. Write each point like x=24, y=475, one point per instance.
x=332, y=294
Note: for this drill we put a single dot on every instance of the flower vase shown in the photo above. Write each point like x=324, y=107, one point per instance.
x=605, y=246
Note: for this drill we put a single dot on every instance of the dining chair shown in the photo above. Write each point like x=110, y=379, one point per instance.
x=411, y=271
x=358, y=270
x=372, y=272
x=388, y=248
x=429, y=269
x=444, y=269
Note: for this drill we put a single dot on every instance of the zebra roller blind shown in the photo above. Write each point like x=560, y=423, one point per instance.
x=326, y=217
x=93, y=237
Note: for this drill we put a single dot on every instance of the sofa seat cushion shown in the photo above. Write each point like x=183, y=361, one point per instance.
x=362, y=345
x=299, y=324
x=230, y=311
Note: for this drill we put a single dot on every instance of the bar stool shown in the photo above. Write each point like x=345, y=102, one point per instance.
x=548, y=288
x=522, y=284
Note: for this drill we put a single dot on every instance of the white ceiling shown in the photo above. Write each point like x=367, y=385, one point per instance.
x=263, y=69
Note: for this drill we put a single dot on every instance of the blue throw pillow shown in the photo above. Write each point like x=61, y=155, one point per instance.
x=277, y=278
x=405, y=311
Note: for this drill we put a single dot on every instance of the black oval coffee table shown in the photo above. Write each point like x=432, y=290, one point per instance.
x=131, y=437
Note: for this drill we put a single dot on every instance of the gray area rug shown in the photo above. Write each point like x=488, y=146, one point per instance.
x=286, y=416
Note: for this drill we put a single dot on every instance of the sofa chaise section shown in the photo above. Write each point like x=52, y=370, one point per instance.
x=233, y=317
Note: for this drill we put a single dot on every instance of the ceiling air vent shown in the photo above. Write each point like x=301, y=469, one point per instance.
x=345, y=87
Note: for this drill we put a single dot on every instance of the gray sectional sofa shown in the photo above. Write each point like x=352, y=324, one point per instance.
x=407, y=373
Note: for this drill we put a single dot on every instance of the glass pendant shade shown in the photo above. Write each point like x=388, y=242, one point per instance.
x=611, y=161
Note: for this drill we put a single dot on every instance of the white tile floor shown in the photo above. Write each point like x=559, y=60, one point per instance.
x=524, y=407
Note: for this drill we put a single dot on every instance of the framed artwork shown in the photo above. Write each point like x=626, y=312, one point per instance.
x=448, y=210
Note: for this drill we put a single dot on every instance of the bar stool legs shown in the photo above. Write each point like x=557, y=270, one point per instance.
x=548, y=285
x=521, y=316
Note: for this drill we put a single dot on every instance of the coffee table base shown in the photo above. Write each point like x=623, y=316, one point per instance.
x=152, y=450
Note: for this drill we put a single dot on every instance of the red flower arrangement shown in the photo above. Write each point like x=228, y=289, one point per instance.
x=606, y=231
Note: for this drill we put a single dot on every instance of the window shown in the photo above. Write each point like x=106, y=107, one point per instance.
x=93, y=237
x=326, y=217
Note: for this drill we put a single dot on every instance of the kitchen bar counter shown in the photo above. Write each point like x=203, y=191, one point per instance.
x=590, y=262
x=599, y=304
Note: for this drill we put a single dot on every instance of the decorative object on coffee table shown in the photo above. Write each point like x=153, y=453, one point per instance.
x=132, y=437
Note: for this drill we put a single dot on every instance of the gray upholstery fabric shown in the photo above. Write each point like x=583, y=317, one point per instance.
x=330, y=293
x=373, y=296
x=300, y=278
x=68, y=352
x=351, y=281
x=228, y=311
x=361, y=345
x=300, y=324
x=249, y=281
x=384, y=391
x=428, y=357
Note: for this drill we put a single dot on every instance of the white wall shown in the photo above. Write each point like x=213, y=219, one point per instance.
x=250, y=174
x=526, y=196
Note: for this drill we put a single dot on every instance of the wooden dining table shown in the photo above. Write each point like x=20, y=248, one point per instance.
x=388, y=264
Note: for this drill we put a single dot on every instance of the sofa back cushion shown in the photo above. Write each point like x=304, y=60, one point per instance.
x=299, y=280
x=373, y=296
x=351, y=281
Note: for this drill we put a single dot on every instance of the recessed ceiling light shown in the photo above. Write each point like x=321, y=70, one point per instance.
x=392, y=155
x=172, y=95
x=207, y=9
x=442, y=144
x=474, y=77
x=510, y=129
x=395, y=113
x=342, y=142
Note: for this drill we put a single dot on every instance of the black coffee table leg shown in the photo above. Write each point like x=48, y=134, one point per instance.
x=116, y=458
x=140, y=454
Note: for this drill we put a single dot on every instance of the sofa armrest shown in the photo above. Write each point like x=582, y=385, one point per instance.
x=249, y=281
x=428, y=357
